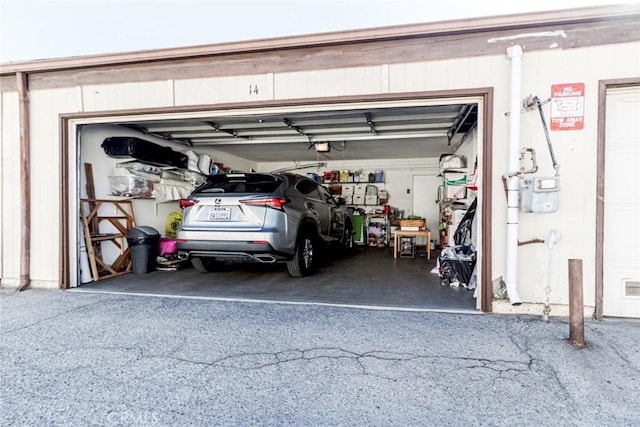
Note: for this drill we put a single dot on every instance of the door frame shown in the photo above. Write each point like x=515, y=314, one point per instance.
x=68, y=189
x=603, y=87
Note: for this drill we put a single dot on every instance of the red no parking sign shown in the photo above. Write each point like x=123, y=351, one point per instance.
x=567, y=106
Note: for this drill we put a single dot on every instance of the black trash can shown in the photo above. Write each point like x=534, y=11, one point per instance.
x=143, y=246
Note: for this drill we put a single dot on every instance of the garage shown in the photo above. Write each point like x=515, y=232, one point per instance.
x=420, y=121
x=404, y=154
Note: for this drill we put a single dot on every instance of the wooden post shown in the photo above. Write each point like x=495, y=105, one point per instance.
x=94, y=225
x=576, y=304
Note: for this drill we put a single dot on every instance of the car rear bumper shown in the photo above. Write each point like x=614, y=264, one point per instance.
x=261, y=252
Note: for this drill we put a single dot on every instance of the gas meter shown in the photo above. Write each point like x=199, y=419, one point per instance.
x=539, y=195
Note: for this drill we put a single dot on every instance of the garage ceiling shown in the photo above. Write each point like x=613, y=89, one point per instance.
x=371, y=133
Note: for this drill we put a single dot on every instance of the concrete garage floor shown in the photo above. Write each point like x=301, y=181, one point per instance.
x=369, y=277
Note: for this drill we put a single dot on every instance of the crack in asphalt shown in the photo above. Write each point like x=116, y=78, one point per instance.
x=262, y=360
x=255, y=361
x=46, y=319
x=522, y=343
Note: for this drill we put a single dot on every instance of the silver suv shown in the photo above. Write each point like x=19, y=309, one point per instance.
x=262, y=217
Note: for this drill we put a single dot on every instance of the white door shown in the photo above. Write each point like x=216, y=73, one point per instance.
x=425, y=196
x=621, y=251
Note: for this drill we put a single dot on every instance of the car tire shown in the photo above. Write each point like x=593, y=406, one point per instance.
x=203, y=264
x=304, y=261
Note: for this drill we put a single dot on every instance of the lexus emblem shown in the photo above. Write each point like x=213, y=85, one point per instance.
x=218, y=201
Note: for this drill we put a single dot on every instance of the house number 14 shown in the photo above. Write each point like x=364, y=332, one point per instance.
x=253, y=89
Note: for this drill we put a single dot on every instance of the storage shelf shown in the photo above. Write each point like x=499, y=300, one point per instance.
x=103, y=237
x=382, y=221
x=123, y=223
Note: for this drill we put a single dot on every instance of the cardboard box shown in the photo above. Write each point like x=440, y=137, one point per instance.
x=371, y=200
x=348, y=199
x=358, y=200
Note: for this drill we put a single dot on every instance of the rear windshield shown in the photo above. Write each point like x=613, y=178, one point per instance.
x=239, y=183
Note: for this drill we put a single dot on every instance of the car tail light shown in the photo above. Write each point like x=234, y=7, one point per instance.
x=183, y=203
x=271, y=202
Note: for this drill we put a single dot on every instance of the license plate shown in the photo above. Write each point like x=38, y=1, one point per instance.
x=220, y=214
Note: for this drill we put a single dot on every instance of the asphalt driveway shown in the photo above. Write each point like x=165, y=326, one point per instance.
x=96, y=359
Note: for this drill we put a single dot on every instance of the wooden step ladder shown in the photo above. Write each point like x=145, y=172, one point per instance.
x=117, y=228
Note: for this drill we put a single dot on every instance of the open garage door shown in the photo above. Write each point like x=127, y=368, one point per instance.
x=398, y=139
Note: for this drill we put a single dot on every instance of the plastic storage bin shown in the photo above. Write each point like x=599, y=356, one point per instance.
x=131, y=186
x=143, y=245
x=167, y=247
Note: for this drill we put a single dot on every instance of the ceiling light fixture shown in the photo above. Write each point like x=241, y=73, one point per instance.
x=322, y=147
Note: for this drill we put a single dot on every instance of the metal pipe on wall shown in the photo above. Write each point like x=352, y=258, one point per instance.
x=514, y=53
x=25, y=184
